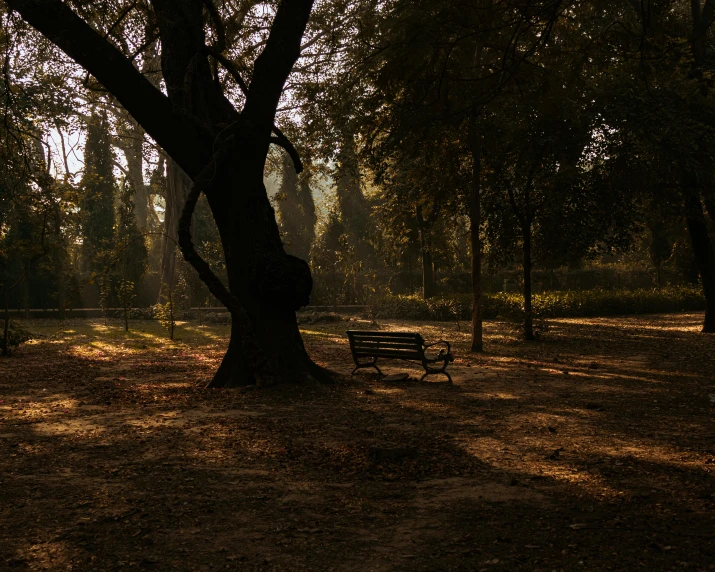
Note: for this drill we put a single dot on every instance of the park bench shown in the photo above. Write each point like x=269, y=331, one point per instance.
x=397, y=345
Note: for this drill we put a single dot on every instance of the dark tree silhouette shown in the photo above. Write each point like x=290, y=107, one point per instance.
x=223, y=150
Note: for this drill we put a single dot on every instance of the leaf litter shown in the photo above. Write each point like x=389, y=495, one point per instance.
x=113, y=456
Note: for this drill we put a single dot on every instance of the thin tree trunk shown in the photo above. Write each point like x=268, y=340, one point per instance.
x=475, y=217
x=528, y=315
x=135, y=167
x=658, y=274
x=6, y=325
x=59, y=256
x=177, y=184
x=26, y=294
x=409, y=272
x=704, y=254
x=61, y=287
x=428, y=288
x=709, y=200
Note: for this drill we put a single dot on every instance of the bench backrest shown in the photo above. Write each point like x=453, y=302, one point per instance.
x=401, y=345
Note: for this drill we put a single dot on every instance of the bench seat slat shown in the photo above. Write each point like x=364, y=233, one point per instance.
x=365, y=349
x=404, y=354
x=399, y=339
x=387, y=345
x=361, y=333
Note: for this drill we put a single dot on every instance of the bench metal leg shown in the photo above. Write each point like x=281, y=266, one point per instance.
x=442, y=370
x=363, y=365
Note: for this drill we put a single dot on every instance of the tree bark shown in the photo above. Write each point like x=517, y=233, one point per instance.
x=703, y=251
x=428, y=285
x=266, y=285
x=475, y=218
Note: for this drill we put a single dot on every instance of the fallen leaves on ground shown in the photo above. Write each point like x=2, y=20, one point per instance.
x=114, y=456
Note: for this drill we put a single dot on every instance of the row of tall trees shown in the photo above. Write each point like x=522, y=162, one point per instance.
x=558, y=129
x=452, y=134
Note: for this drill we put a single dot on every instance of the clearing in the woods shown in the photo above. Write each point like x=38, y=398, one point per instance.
x=592, y=448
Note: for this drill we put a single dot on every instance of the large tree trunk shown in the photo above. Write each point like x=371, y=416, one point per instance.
x=704, y=254
x=475, y=218
x=195, y=123
x=269, y=284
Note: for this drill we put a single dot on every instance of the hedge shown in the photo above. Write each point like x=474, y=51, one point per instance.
x=556, y=304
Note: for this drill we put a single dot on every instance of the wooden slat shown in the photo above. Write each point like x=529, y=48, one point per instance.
x=387, y=346
x=382, y=334
x=414, y=339
x=404, y=354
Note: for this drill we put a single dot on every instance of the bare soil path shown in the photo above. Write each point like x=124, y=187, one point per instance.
x=593, y=449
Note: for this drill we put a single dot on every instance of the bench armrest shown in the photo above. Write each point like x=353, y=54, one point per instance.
x=442, y=354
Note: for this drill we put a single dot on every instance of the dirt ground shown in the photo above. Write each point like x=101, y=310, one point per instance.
x=591, y=449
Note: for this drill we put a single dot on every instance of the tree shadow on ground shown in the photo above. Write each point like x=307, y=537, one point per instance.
x=116, y=457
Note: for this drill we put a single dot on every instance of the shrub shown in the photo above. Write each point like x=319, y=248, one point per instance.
x=16, y=335
x=556, y=304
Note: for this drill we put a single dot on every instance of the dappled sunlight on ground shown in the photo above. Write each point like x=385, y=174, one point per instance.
x=592, y=445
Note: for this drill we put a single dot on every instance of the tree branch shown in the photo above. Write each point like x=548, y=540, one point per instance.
x=152, y=109
x=229, y=66
x=282, y=141
x=274, y=64
x=220, y=45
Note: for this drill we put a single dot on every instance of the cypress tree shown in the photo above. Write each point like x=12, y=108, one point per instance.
x=97, y=190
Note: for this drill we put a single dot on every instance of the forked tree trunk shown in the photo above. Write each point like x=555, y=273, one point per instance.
x=195, y=123
x=704, y=254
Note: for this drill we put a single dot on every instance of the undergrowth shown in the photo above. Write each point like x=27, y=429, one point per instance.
x=556, y=304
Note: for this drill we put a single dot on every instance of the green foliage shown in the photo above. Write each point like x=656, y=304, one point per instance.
x=164, y=312
x=97, y=196
x=131, y=253
x=16, y=335
x=296, y=210
x=126, y=296
x=570, y=304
